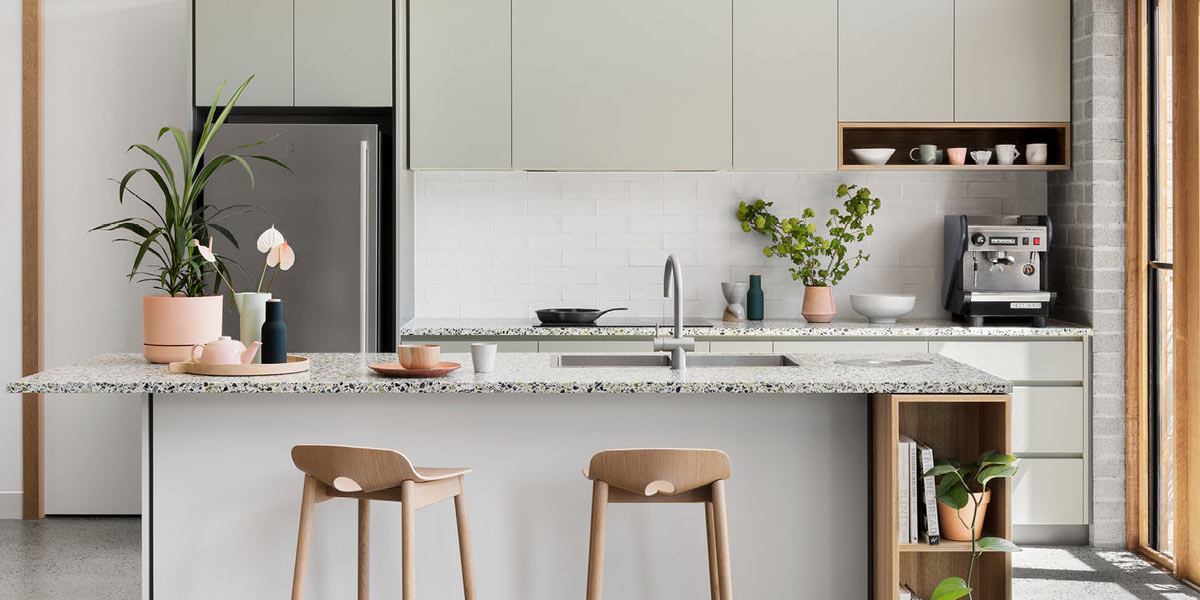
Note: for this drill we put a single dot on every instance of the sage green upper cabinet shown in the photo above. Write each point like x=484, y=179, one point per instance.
x=785, y=103
x=622, y=84
x=459, y=84
x=896, y=60
x=343, y=52
x=236, y=39
x=1012, y=60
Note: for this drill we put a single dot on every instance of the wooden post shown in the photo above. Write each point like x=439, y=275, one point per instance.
x=33, y=462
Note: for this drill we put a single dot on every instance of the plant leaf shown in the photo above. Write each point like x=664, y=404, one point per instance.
x=955, y=497
x=995, y=457
x=987, y=474
x=185, y=152
x=162, y=164
x=209, y=132
x=996, y=544
x=951, y=588
x=940, y=470
x=272, y=161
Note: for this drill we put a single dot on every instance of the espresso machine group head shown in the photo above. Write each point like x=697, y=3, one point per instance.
x=996, y=267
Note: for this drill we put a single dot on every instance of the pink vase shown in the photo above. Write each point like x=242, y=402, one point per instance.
x=171, y=325
x=818, y=304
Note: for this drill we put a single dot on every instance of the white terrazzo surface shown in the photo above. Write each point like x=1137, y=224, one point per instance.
x=765, y=328
x=527, y=373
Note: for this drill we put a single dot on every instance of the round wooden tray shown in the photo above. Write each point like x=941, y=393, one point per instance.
x=294, y=364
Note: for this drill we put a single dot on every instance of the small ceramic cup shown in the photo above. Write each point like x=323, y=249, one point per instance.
x=483, y=357
x=419, y=356
x=925, y=154
x=1035, y=154
x=958, y=156
x=1006, y=154
x=981, y=157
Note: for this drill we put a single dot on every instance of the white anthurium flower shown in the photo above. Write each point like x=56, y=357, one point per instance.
x=206, y=251
x=269, y=239
x=281, y=255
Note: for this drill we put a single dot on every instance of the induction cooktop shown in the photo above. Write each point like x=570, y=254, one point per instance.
x=632, y=322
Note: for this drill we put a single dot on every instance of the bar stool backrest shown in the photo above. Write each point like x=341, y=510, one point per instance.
x=650, y=471
x=354, y=468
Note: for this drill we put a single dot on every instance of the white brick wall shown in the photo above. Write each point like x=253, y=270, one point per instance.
x=501, y=244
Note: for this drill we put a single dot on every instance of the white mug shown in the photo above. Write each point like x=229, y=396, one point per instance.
x=1006, y=153
x=981, y=157
x=1035, y=154
x=483, y=357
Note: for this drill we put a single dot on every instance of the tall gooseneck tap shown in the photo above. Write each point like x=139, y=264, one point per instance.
x=677, y=345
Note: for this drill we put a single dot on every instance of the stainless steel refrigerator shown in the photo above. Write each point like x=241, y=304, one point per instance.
x=328, y=210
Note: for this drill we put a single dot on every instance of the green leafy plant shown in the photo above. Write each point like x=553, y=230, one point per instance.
x=963, y=484
x=821, y=260
x=180, y=220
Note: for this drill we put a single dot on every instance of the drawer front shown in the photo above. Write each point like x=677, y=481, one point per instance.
x=595, y=346
x=740, y=346
x=1049, y=491
x=863, y=346
x=1018, y=360
x=1048, y=420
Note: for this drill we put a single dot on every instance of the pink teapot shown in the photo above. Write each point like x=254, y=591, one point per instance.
x=224, y=351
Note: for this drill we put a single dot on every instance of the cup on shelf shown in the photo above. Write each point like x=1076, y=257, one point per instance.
x=981, y=157
x=483, y=357
x=419, y=356
x=958, y=156
x=1035, y=154
x=1006, y=154
x=925, y=154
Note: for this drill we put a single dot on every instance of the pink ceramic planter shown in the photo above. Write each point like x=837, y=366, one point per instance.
x=818, y=304
x=172, y=325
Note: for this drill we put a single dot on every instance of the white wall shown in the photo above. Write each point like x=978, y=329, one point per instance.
x=10, y=247
x=116, y=71
x=501, y=244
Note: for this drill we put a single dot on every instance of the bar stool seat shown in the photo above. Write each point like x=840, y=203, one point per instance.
x=368, y=474
x=661, y=475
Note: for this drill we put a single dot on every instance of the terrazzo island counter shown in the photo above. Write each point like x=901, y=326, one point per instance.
x=221, y=497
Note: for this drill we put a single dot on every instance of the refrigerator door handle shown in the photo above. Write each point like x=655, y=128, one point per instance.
x=364, y=185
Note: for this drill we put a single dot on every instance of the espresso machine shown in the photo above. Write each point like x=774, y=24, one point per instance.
x=996, y=267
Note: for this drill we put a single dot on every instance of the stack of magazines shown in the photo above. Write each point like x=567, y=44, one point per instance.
x=918, y=495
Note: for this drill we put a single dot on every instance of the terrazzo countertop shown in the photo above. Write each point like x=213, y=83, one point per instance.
x=765, y=328
x=526, y=373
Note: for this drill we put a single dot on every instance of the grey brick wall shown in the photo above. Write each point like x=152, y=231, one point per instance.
x=1087, y=204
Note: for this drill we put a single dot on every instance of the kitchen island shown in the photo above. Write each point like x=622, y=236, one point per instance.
x=221, y=496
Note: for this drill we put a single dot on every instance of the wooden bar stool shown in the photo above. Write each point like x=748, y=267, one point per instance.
x=369, y=474
x=661, y=475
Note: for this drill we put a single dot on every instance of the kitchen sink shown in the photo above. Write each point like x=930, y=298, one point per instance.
x=658, y=359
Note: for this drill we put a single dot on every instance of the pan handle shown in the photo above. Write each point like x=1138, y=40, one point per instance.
x=601, y=313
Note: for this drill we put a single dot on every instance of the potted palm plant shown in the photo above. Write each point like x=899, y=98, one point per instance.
x=166, y=257
x=821, y=260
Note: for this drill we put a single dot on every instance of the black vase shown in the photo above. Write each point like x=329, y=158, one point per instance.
x=274, y=334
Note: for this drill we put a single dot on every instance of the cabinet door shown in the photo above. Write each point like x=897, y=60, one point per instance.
x=236, y=39
x=896, y=60
x=622, y=84
x=1012, y=60
x=1021, y=361
x=784, y=85
x=819, y=346
x=460, y=84
x=1050, y=491
x=343, y=52
x=1049, y=420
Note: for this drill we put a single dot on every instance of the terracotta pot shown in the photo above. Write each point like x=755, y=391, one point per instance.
x=953, y=529
x=171, y=325
x=818, y=304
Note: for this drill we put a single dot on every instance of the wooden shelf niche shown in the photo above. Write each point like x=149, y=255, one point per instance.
x=973, y=136
x=954, y=426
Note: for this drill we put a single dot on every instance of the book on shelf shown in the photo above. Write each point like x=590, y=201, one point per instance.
x=909, y=453
x=928, y=497
x=904, y=499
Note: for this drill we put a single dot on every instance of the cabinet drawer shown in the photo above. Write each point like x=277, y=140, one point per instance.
x=596, y=346
x=1048, y=419
x=1019, y=361
x=740, y=346
x=853, y=346
x=1049, y=491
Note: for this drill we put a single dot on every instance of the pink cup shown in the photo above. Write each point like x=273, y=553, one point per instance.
x=958, y=156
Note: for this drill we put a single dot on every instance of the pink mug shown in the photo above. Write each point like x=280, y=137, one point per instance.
x=958, y=156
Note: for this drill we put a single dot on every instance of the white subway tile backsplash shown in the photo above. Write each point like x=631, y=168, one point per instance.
x=501, y=244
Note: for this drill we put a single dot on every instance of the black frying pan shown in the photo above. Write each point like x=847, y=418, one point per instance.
x=571, y=315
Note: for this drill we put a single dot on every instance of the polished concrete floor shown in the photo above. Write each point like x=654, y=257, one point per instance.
x=65, y=558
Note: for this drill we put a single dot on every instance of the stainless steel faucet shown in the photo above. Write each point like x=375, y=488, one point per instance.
x=677, y=345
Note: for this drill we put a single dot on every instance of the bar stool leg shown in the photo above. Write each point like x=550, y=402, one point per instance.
x=408, y=548
x=307, y=502
x=722, y=531
x=714, y=575
x=464, y=541
x=595, y=579
x=364, y=549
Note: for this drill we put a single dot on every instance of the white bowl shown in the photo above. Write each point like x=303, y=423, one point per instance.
x=872, y=156
x=883, y=308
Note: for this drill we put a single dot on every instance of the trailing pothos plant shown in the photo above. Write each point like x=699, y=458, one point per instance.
x=821, y=260
x=959, y=486
x=167, y=237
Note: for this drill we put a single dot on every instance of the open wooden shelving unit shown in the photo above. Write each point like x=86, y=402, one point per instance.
x=973, y=136
x=954, y=426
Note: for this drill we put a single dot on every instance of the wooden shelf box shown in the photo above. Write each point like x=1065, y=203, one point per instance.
x=954, y=426
x=973, y=136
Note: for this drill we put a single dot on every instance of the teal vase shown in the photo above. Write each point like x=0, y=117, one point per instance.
x=754, y=298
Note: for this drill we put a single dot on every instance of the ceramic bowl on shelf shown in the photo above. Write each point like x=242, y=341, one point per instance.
x=883, y=308
x=872, y=156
